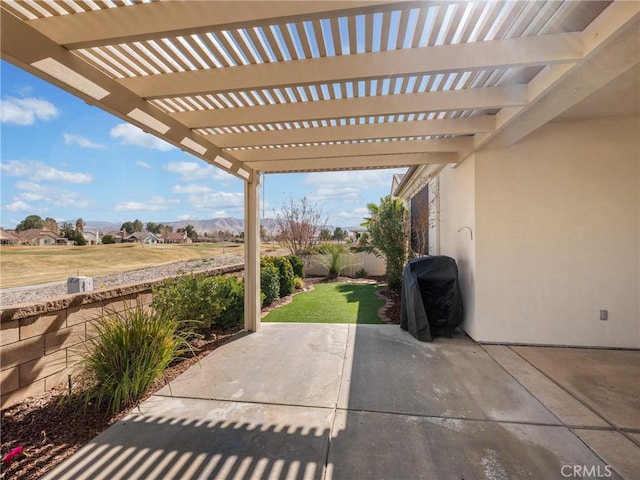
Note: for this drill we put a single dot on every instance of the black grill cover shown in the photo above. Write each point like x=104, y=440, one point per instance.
x=431, y=303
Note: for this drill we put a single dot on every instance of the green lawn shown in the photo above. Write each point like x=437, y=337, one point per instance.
x=332, y=303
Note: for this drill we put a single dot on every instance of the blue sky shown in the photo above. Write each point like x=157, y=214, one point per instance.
x=64, y=159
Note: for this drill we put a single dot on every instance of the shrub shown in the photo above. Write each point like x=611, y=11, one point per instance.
x=107, y=239
x=286, y=274
x=230, y=291
x=361, y=273
x=297, y=264
x=333, y=258
x=269, y=282
x=188, y=300
x=131, y=350
x=298, y=283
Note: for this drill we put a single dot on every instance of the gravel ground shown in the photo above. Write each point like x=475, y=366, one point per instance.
x=33, y=293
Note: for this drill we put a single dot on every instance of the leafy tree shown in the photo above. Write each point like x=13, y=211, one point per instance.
x=164, y=230
x=127, y=227
x=388, y=233
x=137, y=226
x=50, y=224
x=80, y=225
x=339, y=234
x=32, y=221
x=107, y=239
x=325, y=235
x=67, y=231
x=299, y=224
x=153, y=227
x=190, y=231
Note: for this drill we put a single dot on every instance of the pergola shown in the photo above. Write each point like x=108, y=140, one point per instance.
x=296, y=86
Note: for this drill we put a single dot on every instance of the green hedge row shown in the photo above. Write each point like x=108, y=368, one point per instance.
x=278, y=276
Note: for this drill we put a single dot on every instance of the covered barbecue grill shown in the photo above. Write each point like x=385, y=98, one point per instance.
x=431, y=303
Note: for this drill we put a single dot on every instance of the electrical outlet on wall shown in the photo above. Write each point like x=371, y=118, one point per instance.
x=604, y=314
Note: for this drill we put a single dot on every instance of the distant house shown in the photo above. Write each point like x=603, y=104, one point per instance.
x=41, y=237
x=8, y=237
x=177, y=237
x=143, y=237
x=92, y=238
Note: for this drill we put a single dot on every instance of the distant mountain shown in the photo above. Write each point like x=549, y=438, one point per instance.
x=227, y=224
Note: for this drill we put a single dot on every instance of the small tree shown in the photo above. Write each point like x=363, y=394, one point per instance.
x=127, y=227
x=299, y=225
x=325, y=235
x=50, y=224
x=339, y=234
x=137, y=225
x=80, y=225
x=388, y=233
x=32, y=221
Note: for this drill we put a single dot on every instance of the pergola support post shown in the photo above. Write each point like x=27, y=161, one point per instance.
x=252, y=253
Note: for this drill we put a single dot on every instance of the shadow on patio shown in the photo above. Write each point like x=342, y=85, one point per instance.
x=313, y=401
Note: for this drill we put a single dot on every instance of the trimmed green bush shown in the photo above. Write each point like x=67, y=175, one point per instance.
x=199, y=302
x=298, y=283
x=230, y=290
x=297, y=264
x=269, y=282
x=286, y=275
x=131, y=350
x=191, y=301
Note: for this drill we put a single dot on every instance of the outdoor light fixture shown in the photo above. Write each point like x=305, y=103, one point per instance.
x=195, y=146
x=221, y=161
x=63, y=73
x=148, y=120
x=243, y=173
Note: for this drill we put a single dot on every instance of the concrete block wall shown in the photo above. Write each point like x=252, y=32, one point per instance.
x=42, y=343
x=38, y=352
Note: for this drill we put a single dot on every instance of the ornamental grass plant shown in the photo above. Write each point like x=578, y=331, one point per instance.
x=130, y=352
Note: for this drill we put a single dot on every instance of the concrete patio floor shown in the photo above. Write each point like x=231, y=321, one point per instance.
x=311, y=401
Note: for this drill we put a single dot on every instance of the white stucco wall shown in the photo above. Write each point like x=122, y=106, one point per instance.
x=558, y=236
x=456, y=190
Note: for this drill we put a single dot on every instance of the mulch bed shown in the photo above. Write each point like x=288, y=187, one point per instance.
x=51, y=431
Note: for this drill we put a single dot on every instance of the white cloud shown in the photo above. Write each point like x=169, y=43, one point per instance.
x=154, y=204
x=185, y=216
x=19, y=206
x=131, y=135
x=340, y=193
x=359, y=179
x=213, y=200
x=192, y=189
x=40, y=171
x=220, y=214
x=192, y=171
x=25, y=111
x=143, y=164
x=34, y=192
x=72, y=139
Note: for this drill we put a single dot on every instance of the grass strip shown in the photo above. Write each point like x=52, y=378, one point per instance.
x=332, y=303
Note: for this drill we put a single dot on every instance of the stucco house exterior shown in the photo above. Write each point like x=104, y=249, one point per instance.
x=41, y=237
x=143, y=237
x=8, y=237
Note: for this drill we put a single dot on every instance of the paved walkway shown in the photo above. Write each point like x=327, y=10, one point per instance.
x=301, y=401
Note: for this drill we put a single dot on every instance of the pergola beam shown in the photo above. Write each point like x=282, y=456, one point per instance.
x=352, y=149
x=147, y=21
x=450, y=126
x=514, y=52
x=58, y=66
x=468, y=99
x=356, y=162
